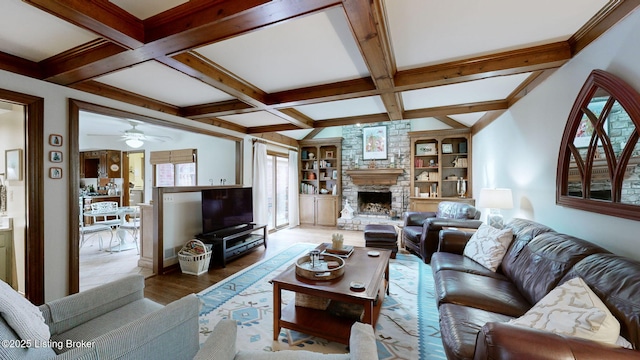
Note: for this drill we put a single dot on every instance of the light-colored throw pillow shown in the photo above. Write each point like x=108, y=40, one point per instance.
x=488, y=245
x=23, y=317
x=572, y=309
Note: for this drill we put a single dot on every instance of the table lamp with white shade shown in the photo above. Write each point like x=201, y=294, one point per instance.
x=494, y=200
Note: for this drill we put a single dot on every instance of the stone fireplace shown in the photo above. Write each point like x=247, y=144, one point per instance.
x=383, y=196
x=374, y=202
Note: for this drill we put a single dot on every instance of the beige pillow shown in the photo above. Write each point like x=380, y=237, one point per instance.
x=572, y=309
x=488, y=245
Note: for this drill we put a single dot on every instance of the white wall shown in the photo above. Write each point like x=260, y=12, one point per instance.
x=56, y=192
x=520, y=149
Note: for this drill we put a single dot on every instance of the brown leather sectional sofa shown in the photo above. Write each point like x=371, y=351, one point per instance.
x=475, y=303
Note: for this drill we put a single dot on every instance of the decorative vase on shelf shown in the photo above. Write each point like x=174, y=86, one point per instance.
x=462, y=188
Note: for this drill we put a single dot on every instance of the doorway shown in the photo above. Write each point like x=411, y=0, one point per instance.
x=135, y=177
x=26, y=191
x=277, y=190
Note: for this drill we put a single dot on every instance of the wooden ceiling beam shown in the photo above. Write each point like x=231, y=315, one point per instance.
x=606, y=18
x=238, y=19
x=528, y=85
x=98, y=16
x=352, y=120
x=18, y=65
x=341, y=90
x=209, y=73
x=312, y=133
x=504, y=63
x=457, y=109
x=370, y=34
x=222, y=108
x=294, y=117
x=98, y=88
x=223, y=124
x=57, y=67
x=271, y=128
x=278, y=138
x=485, y=120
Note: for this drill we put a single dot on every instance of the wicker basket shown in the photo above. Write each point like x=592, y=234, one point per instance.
x=194, y=257
x=313, y=302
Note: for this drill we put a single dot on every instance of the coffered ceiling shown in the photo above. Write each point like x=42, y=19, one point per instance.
x=291, y=67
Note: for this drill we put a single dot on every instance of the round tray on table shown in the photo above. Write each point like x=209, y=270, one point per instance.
x=322, y=272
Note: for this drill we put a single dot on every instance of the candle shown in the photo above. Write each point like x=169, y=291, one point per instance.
x=391, y=159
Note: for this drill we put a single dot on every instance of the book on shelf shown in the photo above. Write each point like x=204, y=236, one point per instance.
x=345, y=252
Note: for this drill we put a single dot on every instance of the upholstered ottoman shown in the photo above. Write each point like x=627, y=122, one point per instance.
x=381, y=236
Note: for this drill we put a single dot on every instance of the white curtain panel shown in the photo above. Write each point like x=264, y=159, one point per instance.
x=260, y=199
x=294, y=210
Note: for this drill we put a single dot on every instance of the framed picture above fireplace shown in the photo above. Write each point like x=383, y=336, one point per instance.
x=374, y=140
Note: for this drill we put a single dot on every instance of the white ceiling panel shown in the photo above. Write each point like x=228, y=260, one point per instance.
x=110, y=128
x=343, y=108
x=296, y=134
x=428, y=124
x=143, y=9
x=33, y=34
x=468, y=119
x=312, y=50
x=497, y=88
x=258, y=118
x=156, y=81
x=425, y=32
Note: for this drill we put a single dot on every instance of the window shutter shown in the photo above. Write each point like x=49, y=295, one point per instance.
x=160, y=157
x=182, y=156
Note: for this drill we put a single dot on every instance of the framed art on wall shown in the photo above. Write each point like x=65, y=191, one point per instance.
x=55, y=156
x=374, y=140
x=55, y=140
x=13, y=164
x=55, y=173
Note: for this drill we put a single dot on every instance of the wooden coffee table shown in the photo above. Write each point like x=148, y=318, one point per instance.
x=360, y=267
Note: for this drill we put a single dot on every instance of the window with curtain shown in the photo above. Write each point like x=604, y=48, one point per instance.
x=278, y=190
x=174, y=167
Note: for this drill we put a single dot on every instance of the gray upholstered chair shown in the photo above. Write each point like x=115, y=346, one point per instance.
x=420, y=233
x=113, y=321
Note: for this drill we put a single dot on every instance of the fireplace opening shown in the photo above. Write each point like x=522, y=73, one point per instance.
x=374, y=203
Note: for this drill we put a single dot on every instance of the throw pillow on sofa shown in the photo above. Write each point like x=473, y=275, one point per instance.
x=22, y=316
x=572, y=309
x=488, y=246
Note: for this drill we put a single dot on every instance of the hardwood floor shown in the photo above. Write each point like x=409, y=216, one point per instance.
x=167, y=288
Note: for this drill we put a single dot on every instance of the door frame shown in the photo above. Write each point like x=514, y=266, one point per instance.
x=34, y=187
x=74, y=107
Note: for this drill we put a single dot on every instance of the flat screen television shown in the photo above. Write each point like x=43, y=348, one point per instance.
x=226, y=208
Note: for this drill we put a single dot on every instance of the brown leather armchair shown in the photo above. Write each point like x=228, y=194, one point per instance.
x=420, y=234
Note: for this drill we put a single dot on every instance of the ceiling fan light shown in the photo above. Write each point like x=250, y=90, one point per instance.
x=134, y=143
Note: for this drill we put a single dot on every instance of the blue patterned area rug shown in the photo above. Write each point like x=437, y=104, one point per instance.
x=407, y=327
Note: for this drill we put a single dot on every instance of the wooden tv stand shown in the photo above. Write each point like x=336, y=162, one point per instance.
x=234, y=242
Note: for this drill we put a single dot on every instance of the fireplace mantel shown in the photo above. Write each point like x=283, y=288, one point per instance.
x=375, y=176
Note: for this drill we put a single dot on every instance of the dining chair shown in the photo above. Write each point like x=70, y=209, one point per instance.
x=106, y=213
x=133, y=224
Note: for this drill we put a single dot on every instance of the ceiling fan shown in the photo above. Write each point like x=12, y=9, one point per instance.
x=135, y=138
